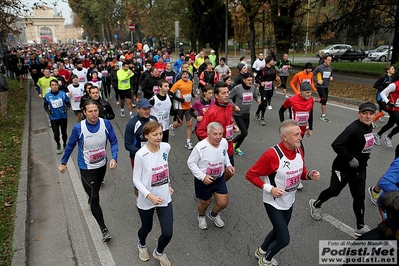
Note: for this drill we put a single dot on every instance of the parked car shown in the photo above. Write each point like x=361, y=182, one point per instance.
x=333, y=49
x=349, y=55
x=373, y=50
x=381, y=55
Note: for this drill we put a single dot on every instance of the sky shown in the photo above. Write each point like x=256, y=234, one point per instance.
x=62, y=6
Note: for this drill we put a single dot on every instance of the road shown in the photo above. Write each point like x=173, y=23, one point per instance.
x=245, y=217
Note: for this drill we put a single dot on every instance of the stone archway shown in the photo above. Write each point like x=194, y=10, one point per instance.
x=46, y=35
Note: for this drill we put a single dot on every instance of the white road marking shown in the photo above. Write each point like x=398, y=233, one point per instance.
x=339, y=225
x=103, y=251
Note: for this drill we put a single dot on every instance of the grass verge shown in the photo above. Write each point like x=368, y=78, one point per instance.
x=11, y=132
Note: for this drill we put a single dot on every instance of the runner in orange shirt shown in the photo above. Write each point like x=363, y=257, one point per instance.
x=304, y=76
x=182, y=94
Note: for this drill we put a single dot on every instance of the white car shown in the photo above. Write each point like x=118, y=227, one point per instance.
x=335, y=48
x=375, y=49
x=381, y=55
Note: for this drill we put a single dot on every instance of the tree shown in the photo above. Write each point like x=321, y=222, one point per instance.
x=359, y=18
x=10, y=10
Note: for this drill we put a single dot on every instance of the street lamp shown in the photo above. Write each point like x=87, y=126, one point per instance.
x=307, y=30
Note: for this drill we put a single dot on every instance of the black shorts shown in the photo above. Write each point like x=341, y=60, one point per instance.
x=183, y=113
x=125, y=94
x=205, y=192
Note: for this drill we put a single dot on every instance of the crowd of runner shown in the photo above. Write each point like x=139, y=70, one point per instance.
x=200, y=86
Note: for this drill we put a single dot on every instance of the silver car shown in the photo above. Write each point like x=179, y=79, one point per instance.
x=381, y=54
x=335, y=48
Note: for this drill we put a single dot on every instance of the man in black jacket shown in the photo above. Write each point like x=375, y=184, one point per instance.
x=104, y=108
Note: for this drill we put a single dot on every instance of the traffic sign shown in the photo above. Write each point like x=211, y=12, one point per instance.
x=131, y=26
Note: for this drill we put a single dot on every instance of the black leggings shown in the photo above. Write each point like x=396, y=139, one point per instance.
x=56, y=125
x=356, y=178
x=107, y=88
x=116, y=92
x=243, y=124
x=165, y=217
x=266, y=99
x=92, y=180
x=279, y=236
x=284, y=81
x=393, y=119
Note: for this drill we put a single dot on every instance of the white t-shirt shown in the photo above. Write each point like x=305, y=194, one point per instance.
x=151, y=175
x=206, y=159
x=75, y=95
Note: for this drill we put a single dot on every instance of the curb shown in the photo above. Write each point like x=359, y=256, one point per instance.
x=20, y=235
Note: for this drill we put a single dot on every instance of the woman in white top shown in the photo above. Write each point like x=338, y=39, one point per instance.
x=151, y=178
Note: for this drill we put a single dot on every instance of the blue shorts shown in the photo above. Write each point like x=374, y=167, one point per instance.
x=205, y=192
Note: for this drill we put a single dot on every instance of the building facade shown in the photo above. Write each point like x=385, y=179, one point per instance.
x=46, y=25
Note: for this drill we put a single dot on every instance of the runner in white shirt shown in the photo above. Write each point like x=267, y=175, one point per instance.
x=81, y=72
x=151, y=178
x=207, y=162
x=76, y=91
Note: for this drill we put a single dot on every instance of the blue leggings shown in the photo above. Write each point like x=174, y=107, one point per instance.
x=165, y=217
x=279, y=237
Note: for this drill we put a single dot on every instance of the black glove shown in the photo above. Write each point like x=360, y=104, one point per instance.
x=391, y=105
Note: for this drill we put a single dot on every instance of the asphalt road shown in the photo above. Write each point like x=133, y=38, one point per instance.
x=246, y=221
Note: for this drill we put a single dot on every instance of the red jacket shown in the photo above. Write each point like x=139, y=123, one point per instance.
x=221, y=114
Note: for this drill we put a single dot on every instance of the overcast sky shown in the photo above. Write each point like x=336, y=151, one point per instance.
x=62, y=7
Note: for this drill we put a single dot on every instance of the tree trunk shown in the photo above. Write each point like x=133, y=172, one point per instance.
x=252, y=39
x=395, y=53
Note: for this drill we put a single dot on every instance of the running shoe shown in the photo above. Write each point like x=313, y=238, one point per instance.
x=387, y=141
x=324, y=118
x=377, y=139
x=300, y=186
x=189, y=146
x=259, y=256
x=123, y=113
x=58, y=150
x=238, y=151
x=106, y=236
x=163, y=260
x=286, y=96
x=143, y=252
x=257, y=118
x=314, y=212
x=264, y=262
x=262, y=122
x=171, y=130
x=363, y=230
x=117, y=102
x=373, y=195
x=216, y=219
x=131, y=116
x=269, y=107
x=202, y=222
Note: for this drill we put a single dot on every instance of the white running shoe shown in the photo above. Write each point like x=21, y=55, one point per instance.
x=202, y=222
x=269, y=107
x=217, y=220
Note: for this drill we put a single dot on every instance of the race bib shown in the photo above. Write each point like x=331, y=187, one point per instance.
x=302, y=118
x=57, y=103
x=369, y=138
x=160, y=176
x=81, y=79
x=214, y=170
x=247, y=98
x=326, y=74
x=268, y=85
x=104, y=72
x=285, y=67
x=292, y=181
x=97, y=155
x=187, y=97
x=169, y=79
x=306, y=80
x=126, y=81
x=163, y=115
x=34, y=71
x=229, y=132
x=155, y=89
x=77, y=98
